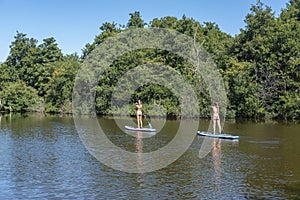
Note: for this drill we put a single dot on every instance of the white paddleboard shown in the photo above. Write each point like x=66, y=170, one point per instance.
x=222, y=136
x=140, y=129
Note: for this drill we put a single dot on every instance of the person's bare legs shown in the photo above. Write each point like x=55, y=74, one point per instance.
x=219, y=126
x=214, y=126
x=141, y=121
x=138, y=120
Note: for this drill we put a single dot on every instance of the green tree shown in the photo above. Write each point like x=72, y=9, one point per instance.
x=18, y=97
x=59, y=93
x=135, y=20
x=21, y=59
x=255, y=44
x=107, y=30
x=288, y=60
x=260, y=67
x=49, y=51
x=29, y=62
x=49, y=55
x=164, y=22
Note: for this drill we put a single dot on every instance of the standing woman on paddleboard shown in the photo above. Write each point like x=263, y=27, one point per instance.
x=216, y=117
x=139, y=113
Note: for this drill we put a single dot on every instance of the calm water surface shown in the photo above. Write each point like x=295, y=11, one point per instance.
x=43, y=157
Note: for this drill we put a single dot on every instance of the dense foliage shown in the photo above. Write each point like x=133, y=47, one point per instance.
x=260, y=67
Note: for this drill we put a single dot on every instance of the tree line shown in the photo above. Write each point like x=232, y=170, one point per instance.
x=259, y=66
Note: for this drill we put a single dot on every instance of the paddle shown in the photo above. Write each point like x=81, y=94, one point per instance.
x=148, y=121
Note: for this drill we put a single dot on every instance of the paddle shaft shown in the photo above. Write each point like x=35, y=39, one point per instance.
x=148, y=121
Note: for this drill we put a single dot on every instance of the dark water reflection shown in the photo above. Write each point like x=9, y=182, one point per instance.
x=43, y=157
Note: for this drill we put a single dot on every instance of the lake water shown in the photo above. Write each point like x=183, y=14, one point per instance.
x=44, y=157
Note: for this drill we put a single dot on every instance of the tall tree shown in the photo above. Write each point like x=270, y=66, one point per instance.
x=107, y=30
x=288, y=58
x=255, y=44
x=136, y=20
x=59, y=89
x=49, y=51
x=49, y=54
x=164, y=22
x=22, y=57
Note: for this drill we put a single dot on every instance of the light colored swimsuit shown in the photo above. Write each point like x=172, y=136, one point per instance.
x=139, y=112
x=216, y=117
x=216, y=114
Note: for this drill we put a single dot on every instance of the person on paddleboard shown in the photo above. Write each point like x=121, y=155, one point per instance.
x=216, y=117
x=139, y=113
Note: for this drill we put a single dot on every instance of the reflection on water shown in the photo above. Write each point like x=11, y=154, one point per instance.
x=139, y=142
x=42, y=157
x=216, y=156
x=139, y=148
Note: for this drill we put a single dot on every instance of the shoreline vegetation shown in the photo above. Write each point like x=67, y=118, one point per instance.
x=10, y=116
x=260, y=68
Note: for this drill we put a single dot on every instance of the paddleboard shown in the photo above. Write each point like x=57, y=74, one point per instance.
x=140, y=129
x=222, y=136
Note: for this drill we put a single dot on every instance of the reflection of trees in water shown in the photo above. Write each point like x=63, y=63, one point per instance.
x=216, y=156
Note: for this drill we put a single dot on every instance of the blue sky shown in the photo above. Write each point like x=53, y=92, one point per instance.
x=74, y=23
